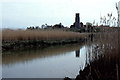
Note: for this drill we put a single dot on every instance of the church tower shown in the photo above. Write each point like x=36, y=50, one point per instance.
x=77, y=21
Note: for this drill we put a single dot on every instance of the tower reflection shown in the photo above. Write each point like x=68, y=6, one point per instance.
x=77, y=52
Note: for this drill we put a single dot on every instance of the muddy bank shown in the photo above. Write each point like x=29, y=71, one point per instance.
x=101, y=69
x=13, y=45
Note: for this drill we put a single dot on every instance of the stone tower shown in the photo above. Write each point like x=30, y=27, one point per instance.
x=77, y=21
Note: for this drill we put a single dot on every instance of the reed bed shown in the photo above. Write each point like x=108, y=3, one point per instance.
x=20, y=39
x=16, y=35
x=105, y=64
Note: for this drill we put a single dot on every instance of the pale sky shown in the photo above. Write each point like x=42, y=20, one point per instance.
x=24, y=13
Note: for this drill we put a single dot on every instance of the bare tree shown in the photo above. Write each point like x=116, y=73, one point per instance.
x=109, y=20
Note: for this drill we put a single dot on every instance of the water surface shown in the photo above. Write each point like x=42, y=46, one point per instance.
x=51, y=62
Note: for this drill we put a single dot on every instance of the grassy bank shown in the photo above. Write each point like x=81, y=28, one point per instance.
x=15, y=39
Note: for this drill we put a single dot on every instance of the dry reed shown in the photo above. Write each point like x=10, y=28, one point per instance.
x=106, y=57
x=16, y=35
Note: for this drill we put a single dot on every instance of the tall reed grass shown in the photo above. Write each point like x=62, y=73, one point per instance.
x=16, y=35
x=105, y=54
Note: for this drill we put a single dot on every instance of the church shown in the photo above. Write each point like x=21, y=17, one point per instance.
x=77, y=23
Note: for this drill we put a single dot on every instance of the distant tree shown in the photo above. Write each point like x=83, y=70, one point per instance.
x=43, y=26
x=88, y=23
x=89, y=26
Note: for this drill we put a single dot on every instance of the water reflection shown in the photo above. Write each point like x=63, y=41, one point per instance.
x=51, y=62
x=26, y=55
x=77, y=52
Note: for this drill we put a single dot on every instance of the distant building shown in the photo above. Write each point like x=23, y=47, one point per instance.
x=77, y=21
x=76, y=24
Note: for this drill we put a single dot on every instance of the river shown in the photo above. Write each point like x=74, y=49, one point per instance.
x=51, y=62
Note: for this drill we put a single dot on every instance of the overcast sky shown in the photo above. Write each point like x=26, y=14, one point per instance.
x=24, y=13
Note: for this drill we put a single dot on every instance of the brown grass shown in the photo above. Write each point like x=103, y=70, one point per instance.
x=105, y=54
x=16, y=35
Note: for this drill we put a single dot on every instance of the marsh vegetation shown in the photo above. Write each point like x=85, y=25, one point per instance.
x=13, y=39
x=17, y=35
x=104, y=60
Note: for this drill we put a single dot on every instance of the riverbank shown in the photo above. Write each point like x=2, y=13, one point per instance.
x=105, y=68
x=38, y=43
x=20, y=39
